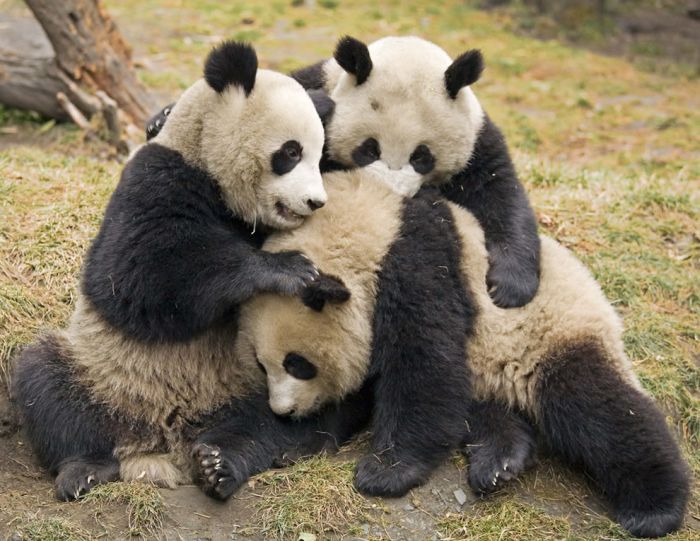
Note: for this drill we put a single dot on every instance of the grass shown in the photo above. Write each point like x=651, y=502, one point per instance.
x=315, y=495
x=51, y=529
x=144, y=505
x=607, y=151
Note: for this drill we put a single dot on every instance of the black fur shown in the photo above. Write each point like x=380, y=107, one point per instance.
x=326, y=288
x=171, y=260
x=312, y=77
x=251, y=439
x=231, y=63
x=156, y=122
x=593, y=419
x=422, y=316
x=353, y=57
x=323, y=104
x=464, y=71
x=72, y=436
x=500, y=444
x=490, y=189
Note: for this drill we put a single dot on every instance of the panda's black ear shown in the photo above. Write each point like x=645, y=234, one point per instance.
x=353, y=57
x=465, y=70
x=323, y=103
x=325, y=288
x=231, y=63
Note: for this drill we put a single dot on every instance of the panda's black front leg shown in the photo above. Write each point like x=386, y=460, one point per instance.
x=489, y=188
x=247, y=438
x=422, y=316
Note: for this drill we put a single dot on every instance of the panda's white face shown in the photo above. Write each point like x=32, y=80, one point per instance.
x=310, y=357
x=265, y=149
x=257, y=133
x=402, y=115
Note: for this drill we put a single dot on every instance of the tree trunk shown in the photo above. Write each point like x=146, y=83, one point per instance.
x=91, y=52
x=29, y=76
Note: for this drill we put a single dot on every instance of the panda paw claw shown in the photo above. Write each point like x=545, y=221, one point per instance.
x=490, y=468
x=78, y=477
x=216, y=473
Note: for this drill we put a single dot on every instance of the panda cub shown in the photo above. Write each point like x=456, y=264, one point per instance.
x=403, y=105
x=559, y=361
x=146, y=366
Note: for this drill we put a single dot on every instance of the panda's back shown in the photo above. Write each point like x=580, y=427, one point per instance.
x=569, y=309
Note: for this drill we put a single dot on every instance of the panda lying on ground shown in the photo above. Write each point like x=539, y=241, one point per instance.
x=379, y=318
x=403, y=104
x=146, y=366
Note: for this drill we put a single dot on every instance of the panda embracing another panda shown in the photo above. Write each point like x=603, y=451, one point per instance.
x=146, y=367
x=377, y=316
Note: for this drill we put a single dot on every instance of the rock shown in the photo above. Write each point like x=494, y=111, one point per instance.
x=460, y=496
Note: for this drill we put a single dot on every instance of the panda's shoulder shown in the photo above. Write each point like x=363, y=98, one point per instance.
x=160, y=176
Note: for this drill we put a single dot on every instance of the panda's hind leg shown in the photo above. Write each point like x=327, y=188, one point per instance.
x=592, y=418
x=72, y=436
x=500, y=445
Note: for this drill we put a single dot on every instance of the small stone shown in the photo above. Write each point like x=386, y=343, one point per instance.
x=460, y=496
x=408, y=507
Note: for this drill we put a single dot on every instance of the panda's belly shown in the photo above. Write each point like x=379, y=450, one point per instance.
x=159, y=385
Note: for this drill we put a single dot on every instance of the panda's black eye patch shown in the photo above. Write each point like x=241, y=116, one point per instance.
x=422, y=160
x=367, y=152
x=298, y=367
x=286, y=158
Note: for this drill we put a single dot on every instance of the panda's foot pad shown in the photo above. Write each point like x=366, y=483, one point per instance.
x=491, y=466
x=375, y=476
x=216, y=473
x=77, y=477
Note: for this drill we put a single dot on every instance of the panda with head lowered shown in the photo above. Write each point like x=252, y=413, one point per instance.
x=402, y=292
x=146, y=365
x=403, y=106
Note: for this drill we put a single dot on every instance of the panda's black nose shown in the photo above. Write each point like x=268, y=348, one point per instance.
x=315, y=204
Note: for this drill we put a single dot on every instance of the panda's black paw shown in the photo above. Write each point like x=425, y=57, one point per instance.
x=382, y=476
x=492, y=464
x=155, y=124
x=288, y=273
x=215, y=471
x=511, y=284
x=77, y=477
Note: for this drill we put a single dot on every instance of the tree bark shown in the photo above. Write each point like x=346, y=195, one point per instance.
x=90, y=51
x=29, y=76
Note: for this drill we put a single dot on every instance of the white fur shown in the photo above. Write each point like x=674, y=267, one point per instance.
x=233, y=137
x=338, y=339
x=349, y=240
x=403, y=103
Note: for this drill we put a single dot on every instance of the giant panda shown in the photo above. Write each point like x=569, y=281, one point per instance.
x=146, y=366
x=404, y=104
x=372, y=318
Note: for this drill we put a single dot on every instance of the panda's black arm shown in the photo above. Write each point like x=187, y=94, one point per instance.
x=490, y=189
x=245, y=438
x=422, y=315
x=170, y=260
